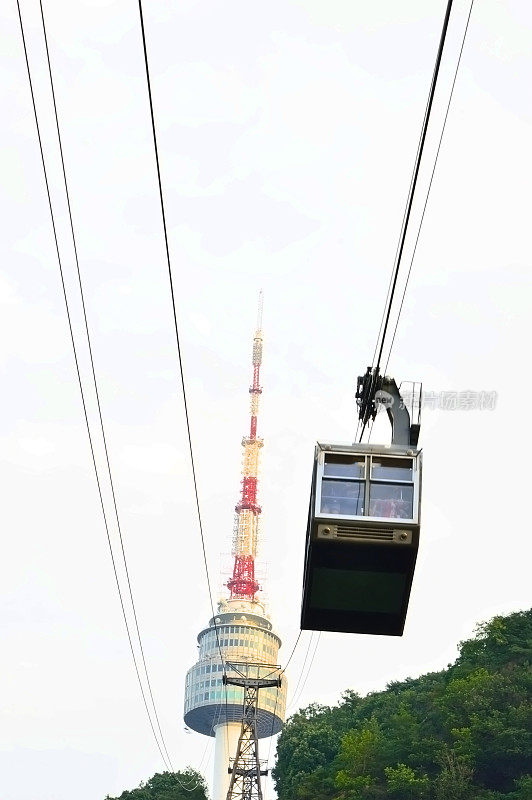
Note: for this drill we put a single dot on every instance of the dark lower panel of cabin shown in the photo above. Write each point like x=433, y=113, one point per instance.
x=357, y=588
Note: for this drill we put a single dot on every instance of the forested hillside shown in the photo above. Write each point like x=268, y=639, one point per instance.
x=459, y=734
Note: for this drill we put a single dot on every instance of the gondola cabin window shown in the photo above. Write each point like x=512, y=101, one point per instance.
x=343, y=485
x=391, y=488
x=376, y=486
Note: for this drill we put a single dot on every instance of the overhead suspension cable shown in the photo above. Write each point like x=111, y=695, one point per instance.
x=413, y=184
x=178, y=341
x=303, y=667
x=174, y=311
x=426, y=198
x=410, y=199
x=97, y=393
x=295, y=700
x=293, y=651
x=82, y=393
x=283, y=670
x=430, y=183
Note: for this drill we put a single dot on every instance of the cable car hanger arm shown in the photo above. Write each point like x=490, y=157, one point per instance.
x=374, y=390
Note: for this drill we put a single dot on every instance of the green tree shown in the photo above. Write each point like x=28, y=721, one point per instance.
x=523, y=789
x=184, y=785
x=359, y=749
x=404, y=783
x=358, y=760
x=308, y=742
x=498, y=643
x=454, y=782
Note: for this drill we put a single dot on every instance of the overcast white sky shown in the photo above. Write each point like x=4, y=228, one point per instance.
x=287, y=133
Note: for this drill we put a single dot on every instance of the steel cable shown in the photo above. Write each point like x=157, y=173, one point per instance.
x=176, y=330
x=96, y=390
x=430, y=184
x=410, y=198
x=426, y=197
x=80, y=383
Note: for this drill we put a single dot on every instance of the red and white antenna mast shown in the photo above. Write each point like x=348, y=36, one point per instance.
x=243, y=584
x=255, y=703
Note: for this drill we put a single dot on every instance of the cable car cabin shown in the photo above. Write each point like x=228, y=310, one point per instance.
x=362, y=538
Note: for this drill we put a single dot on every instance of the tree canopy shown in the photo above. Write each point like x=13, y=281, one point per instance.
x=185, y=785
x=459, y=734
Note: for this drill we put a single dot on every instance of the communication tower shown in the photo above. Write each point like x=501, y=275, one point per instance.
x=235, y=691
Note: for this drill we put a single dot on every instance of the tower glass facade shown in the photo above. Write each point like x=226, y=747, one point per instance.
x=244, y=635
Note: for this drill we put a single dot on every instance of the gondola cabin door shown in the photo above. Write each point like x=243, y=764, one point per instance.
x=362, y=538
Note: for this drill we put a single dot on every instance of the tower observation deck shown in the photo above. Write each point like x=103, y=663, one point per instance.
x=241, y=632
x=246, y=635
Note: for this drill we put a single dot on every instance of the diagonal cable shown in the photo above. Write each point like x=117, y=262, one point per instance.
x=419, y=155
x=177, y=337
x=302, y=668
x=97, y=393
x=174, y=311
x=430, y=184
x=98, y=482
x=426, y=199
x=410, y=199
x=295, y=700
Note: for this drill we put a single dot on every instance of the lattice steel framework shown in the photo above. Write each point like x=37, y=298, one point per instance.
x=245, y=535
x=246, y=768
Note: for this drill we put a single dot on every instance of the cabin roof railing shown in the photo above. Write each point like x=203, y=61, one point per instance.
x=380, y=449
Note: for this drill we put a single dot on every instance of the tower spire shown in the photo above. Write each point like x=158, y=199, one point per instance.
x=259, y=310
x=243, y=584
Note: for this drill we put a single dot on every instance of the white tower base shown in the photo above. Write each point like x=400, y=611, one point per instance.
x=224, y=749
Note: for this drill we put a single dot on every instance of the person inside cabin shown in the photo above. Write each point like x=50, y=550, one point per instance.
x=390, y=504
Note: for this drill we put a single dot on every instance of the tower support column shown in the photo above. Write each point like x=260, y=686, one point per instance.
x=226, y=739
